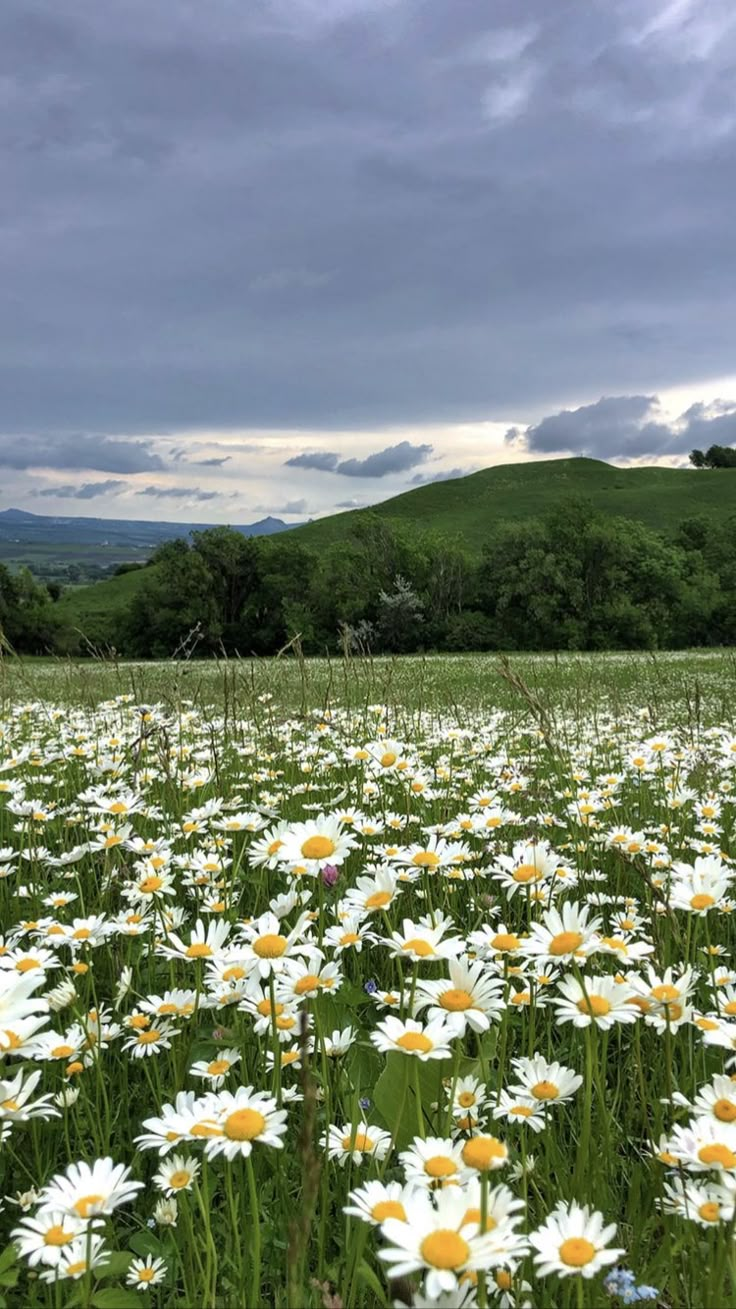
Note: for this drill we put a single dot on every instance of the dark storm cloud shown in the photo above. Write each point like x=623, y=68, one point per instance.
x=394, y=459
x=628, y=427
x=88, y=491
x=178, y=493
x=324, y=461
x=349, y=213
x=77, y=450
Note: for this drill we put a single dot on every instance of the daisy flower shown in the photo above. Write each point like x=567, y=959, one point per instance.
x=374, y=1202
x=602, y=1001
x=146, y=1272
x=45, y=1238
x=705, y=1144
x=547, y=1083
x=412, y=1038
x=356, y=1143
x=315, y=842
x=562, y=935
x=177, y=1174
x=470, y=995
x=204, y=942
x=150, y=1040
x=432, y=1162
x=519, y=1109
x=241, y=1118
x=574, y=1242
x=84, y=1254
x=436, y=1239
x=89, y=1189
x=265, y=946
x=214, y=1071
x=423, y=943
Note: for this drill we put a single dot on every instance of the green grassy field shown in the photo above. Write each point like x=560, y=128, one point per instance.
x=368, y=983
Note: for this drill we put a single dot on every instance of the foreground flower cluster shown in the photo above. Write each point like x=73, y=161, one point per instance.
x=346, y=1010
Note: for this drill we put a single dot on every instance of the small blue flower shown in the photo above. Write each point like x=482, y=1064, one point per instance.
x=370, y=986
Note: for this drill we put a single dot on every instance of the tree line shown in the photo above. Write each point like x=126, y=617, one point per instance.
x=574, y=579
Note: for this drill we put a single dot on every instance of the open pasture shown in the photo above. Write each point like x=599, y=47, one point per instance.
x=368, y=983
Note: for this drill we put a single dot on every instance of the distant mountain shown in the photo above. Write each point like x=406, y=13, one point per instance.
x=19, y=527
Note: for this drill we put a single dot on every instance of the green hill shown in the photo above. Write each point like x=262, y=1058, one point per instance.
x=471, y=507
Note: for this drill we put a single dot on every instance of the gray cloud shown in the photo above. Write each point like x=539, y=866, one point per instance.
x=538, y=204
x=445, y=475
x=628, y=427
x=78, y=450
x=394, y=459
x=351, y=504
x=323, y=460
x=211, y=463
x=177, y=493
x=291, y=507
x=88, y=491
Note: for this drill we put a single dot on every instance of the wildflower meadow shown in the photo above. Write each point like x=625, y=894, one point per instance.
x=415, y=987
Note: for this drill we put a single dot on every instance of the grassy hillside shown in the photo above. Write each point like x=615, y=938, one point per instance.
x=472, y=506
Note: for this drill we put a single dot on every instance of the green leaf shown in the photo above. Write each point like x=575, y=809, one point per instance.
x=367, y=1275
x=116, y=1297
x=8, y=1257
x=117, y=1264
x=144, y=1243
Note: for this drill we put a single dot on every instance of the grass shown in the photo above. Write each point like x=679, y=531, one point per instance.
x=128, y=795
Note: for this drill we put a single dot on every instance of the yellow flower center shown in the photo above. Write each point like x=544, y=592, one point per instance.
x=545, y=1091
x=199, y=950
x=149, y=1038
x=349, y=938
x=455, y=1000
x=179, y=1179
x=388, y=1209
x=482, y=1152
x=62, y=1051
x=444, y=1249
x=274, y=847
x=665, y=993
x=318, y=847
x=595, y=1005
x=361, y=1141
x=725, y=1110
x=310, y=982
x=57, y=1235
x=388, y=759
x=440, y=1166
x=146, y=1274
x=86, y=1204
x=565, y=943
x=25, y=965
x=244, y=1125
x=72, y=1270
x=150, y=884
x=418, y=946
x=218, y=1067
x=270, y=946
x=425, y=859
x=205, y=1128
x=522, y=1111
x=710, y=1212
x=466, y=1099
x=576, y=1252
x=526, y=873
x=702, y=901
x=414, y=1041
x=118, y=807
x=503, y=1280
x=474, y=1216
x=505, y=941
x=717, y=1154
x=378, y=900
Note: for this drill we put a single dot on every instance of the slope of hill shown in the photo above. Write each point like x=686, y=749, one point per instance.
x=471, y=507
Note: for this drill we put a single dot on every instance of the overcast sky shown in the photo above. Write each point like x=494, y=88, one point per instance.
x=279, y=256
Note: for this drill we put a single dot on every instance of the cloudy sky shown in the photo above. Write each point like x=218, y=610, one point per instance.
x=280, y=256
